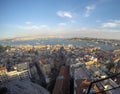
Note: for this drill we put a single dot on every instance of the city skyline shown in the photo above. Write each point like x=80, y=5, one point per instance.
x=67, y=18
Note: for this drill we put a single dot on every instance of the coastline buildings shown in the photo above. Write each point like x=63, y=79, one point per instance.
x=86, y=64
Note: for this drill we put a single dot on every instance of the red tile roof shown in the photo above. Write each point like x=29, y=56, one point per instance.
x=81, y=85
x=2, y=68
x=62, y=82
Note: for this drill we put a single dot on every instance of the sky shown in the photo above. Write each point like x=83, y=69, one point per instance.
x=67, y=18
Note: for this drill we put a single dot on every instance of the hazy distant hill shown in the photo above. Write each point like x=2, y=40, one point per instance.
x=91, y=39
x=32, y=38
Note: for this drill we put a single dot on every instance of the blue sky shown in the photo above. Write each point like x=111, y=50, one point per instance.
x=67, y=18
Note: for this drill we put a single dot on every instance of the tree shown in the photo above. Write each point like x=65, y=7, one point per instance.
x=2, y=48
x=110, y=65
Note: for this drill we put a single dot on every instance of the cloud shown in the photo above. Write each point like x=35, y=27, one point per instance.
x=43, y=26
x=28, y=23
x=62, y=24
x=28, y=27
x=65, y=14
x=97, y=33
x=89, y=9
x=111, y=24
x=32, y=27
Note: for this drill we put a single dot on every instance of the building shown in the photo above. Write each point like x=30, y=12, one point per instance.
x=45, y=67
x=22, y=66
x=62, y=81
x=3, y=75
x=81, y=80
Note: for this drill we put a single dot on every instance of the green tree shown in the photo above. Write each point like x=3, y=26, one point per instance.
x=2, y=48
x=110, y=65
